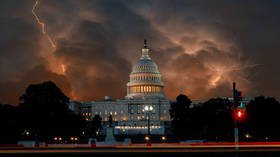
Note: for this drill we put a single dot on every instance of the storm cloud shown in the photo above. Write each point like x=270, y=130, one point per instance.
x=201, y=47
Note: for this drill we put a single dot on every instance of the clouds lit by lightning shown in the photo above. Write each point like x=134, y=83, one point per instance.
x=50, y=58
x=93, y=45
x=205, y=60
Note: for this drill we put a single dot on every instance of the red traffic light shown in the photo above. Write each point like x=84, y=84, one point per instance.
x=239, y=114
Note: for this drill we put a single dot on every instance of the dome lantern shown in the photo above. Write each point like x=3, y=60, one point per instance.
x=145, y=51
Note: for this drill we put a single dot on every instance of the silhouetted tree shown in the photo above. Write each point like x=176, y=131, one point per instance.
x=179, y=113
x=45, y=112
x=263, y=115
x=96, y=124
x=211, y=120
x=216, y=115
x=110, y=120
x=10, y=129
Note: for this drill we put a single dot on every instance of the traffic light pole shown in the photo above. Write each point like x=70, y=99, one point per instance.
x=239, y=109
x=236, y=135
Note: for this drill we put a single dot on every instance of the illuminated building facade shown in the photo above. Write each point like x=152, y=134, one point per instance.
x=144, y=88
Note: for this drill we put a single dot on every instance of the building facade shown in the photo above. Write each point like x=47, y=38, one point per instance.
x=144, y=109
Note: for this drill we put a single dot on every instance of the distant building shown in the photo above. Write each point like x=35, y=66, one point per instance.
x=144, y=101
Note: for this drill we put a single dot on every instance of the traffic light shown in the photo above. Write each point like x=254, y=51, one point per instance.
x=239, y=114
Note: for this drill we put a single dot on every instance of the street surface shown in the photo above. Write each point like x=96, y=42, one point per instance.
x=258, y=149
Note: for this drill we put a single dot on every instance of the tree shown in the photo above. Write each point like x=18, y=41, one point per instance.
x=45, y=112
x=110, y=120
x=96, y=124
x=9, y=123
x=263, y=114
x=217, y=117
x=179, y=113
x=211, y=120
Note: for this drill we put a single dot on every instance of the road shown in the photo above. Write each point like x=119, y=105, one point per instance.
x=144, y=151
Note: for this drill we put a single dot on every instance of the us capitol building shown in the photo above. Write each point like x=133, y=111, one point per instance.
x=145, y=103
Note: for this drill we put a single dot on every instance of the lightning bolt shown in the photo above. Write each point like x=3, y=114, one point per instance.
x=63, y=68
x=233, y=68
x=42, y=24
x=44, y=32
x=220, y=71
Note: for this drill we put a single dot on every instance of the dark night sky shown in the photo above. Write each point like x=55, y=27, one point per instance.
x=200, y=46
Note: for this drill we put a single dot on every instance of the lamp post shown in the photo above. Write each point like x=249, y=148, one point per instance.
x=148, y=109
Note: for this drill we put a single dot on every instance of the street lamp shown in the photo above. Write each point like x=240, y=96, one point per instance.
x=148, y=109
x=163, y=138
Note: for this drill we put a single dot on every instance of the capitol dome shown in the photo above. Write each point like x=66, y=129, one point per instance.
x=145, y=78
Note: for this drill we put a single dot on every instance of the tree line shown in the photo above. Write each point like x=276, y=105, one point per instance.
x=214, y=120
x=42, y=114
